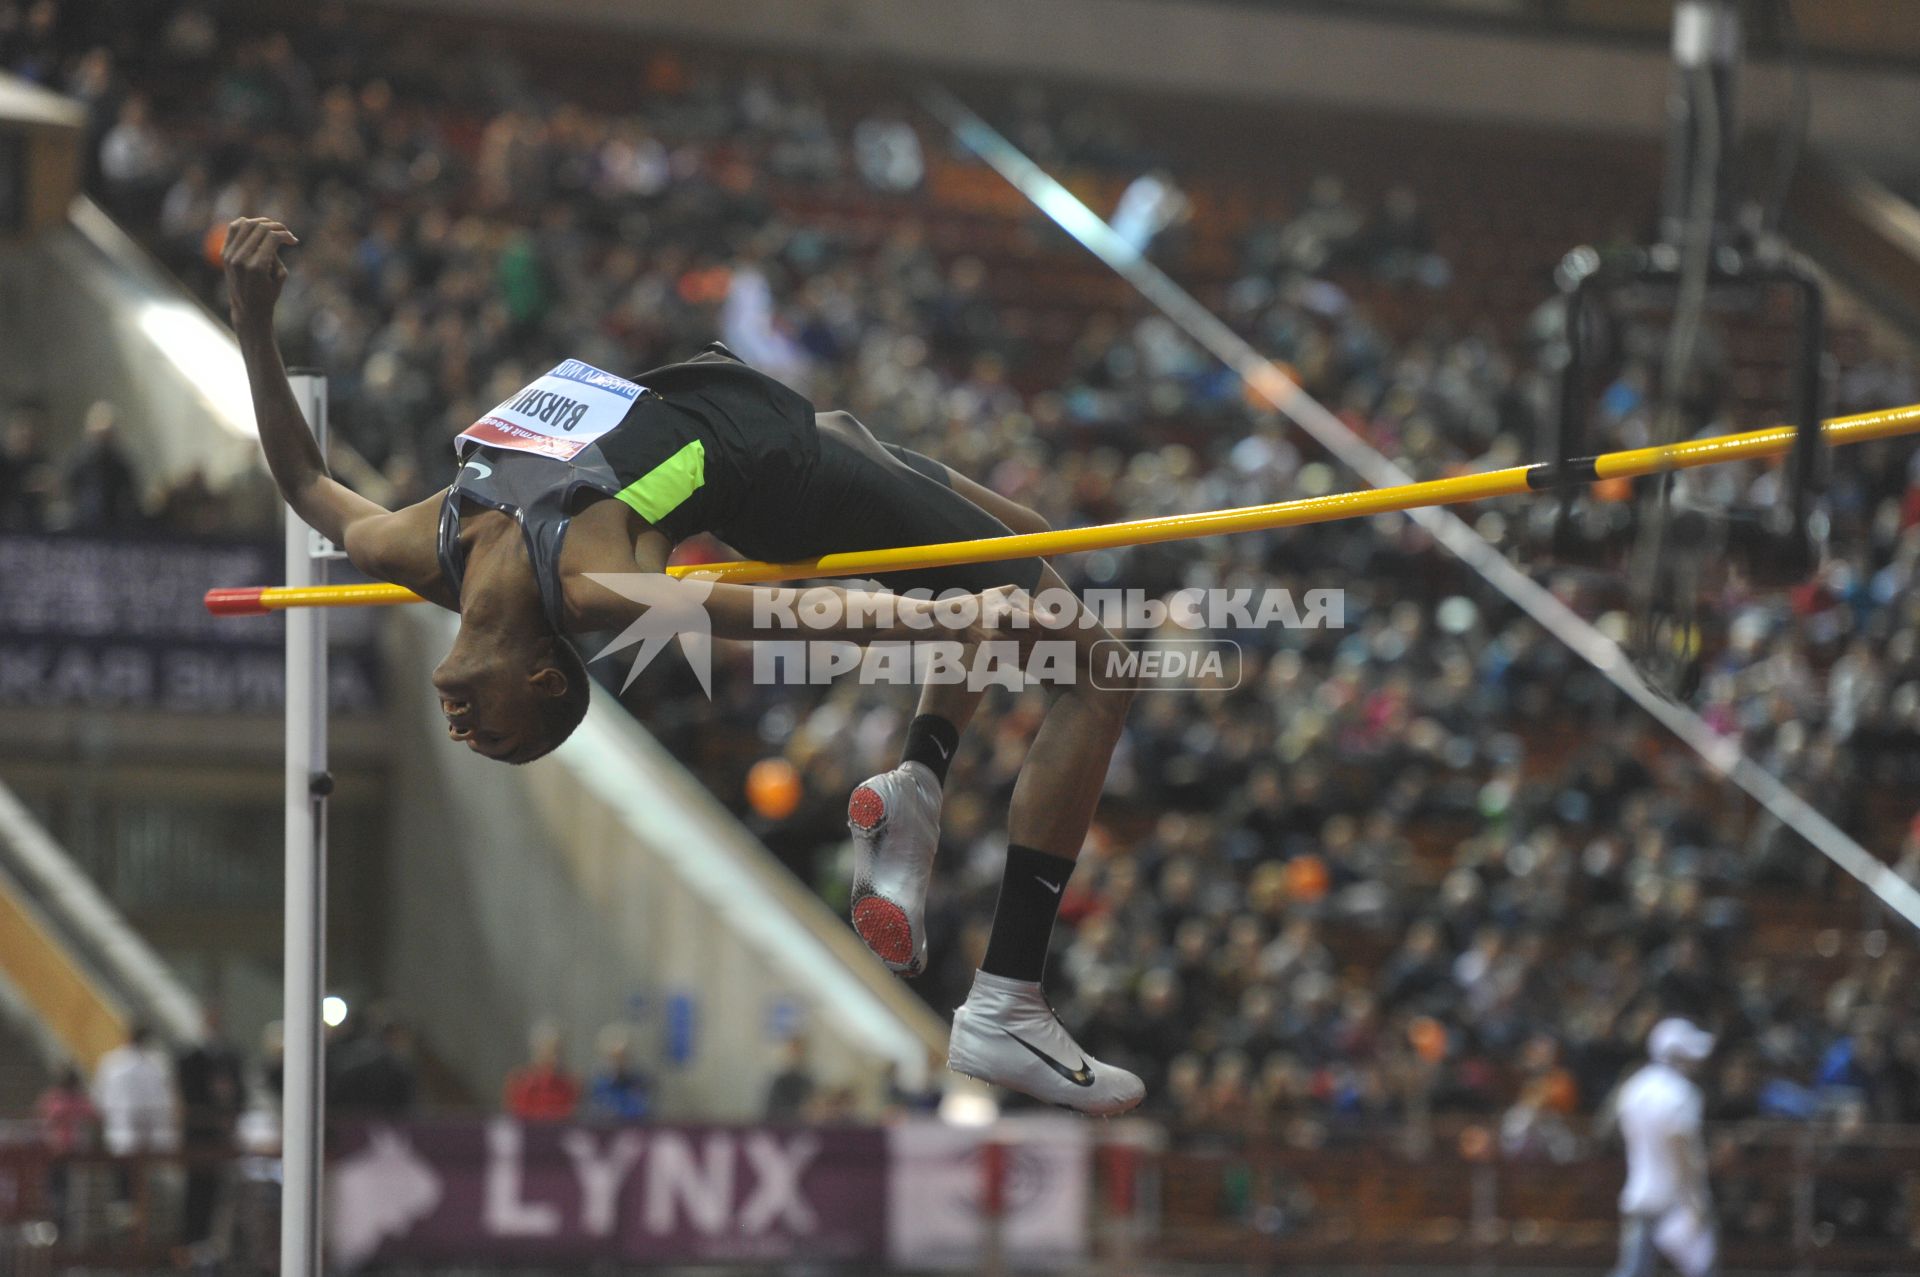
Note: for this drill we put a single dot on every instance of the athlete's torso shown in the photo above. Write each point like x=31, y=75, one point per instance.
x=706, y=446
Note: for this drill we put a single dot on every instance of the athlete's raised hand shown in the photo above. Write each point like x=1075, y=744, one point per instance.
x=254, y=276
x=254, y=269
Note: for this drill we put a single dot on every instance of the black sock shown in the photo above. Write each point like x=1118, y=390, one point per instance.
x=931, y=740
x=1030, y=892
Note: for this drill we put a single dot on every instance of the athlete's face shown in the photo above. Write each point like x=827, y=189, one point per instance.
x=498, y=708
x=511, y=693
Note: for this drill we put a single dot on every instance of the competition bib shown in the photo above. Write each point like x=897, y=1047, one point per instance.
x=559, y=414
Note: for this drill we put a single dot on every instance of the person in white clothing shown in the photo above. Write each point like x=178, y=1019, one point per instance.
x=1665, y=1206
x=133, y=1089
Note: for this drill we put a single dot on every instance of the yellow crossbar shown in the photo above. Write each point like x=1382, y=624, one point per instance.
x=1455, y=490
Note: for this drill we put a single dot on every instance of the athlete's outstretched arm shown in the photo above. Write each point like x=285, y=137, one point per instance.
x=609, y=601
x=255, y=274
x=865, y=616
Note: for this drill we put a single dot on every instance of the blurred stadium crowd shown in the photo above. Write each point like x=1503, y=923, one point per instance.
x=1424, y=864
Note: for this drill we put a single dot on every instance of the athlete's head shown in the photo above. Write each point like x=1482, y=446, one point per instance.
x=509, y=694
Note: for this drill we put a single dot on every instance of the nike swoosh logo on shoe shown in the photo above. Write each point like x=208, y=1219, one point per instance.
x=1082, y=1076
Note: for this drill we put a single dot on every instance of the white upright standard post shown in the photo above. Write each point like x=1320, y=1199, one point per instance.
x=305, y=956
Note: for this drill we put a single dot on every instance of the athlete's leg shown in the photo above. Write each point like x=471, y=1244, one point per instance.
x=1006, y=1032
x=1010, y=512
x=1059, y=787
x=894, y=817
x=953, y=702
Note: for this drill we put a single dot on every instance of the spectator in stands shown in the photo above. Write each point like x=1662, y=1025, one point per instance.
x=1150, y=206
x=139, y=1109
x=191, y=35
x=804, y=146
x=29, y=40
x=1536, y=1125
x=134, y=160
x=28, y=480
x=886, y=150
x=790, y=1094
x=257, y=1131
x=69, y=1126
x=750, y=326
x=188, y=506
x=922, y=1100
x=832, y=1106
x=273, y=1060
x=209, y=1079
x=95, y=84
x=1321, y=234
x=372, y=1074
x=632, y=164
x=133, y=1087
x=618, y=1092
x=69, y=1120
x=1398, y=245
x=542, y=1090
x=103, y=494
x=262, y=87
x=186, y=214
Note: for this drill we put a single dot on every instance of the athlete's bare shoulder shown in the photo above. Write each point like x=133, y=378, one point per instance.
x=403, y=547
x=606, y=538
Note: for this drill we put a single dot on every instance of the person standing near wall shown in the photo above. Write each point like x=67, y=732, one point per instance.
x=542, y=1090
x=69, y=1127
x=210, y=1081
x=139, y=1112
x=1666, y=1207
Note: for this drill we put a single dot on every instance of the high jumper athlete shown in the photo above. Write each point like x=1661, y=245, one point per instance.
x=583, y=473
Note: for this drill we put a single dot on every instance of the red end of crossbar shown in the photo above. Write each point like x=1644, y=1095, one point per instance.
x=244, y=601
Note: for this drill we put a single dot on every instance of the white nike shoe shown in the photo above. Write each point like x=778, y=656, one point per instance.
x=1008, y=1035
x=895, y=819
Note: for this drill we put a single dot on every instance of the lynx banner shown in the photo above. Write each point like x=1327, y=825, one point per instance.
x=516, y=1193
x=507, y=1192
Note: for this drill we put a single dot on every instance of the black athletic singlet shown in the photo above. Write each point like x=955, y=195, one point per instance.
x=711, y=446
